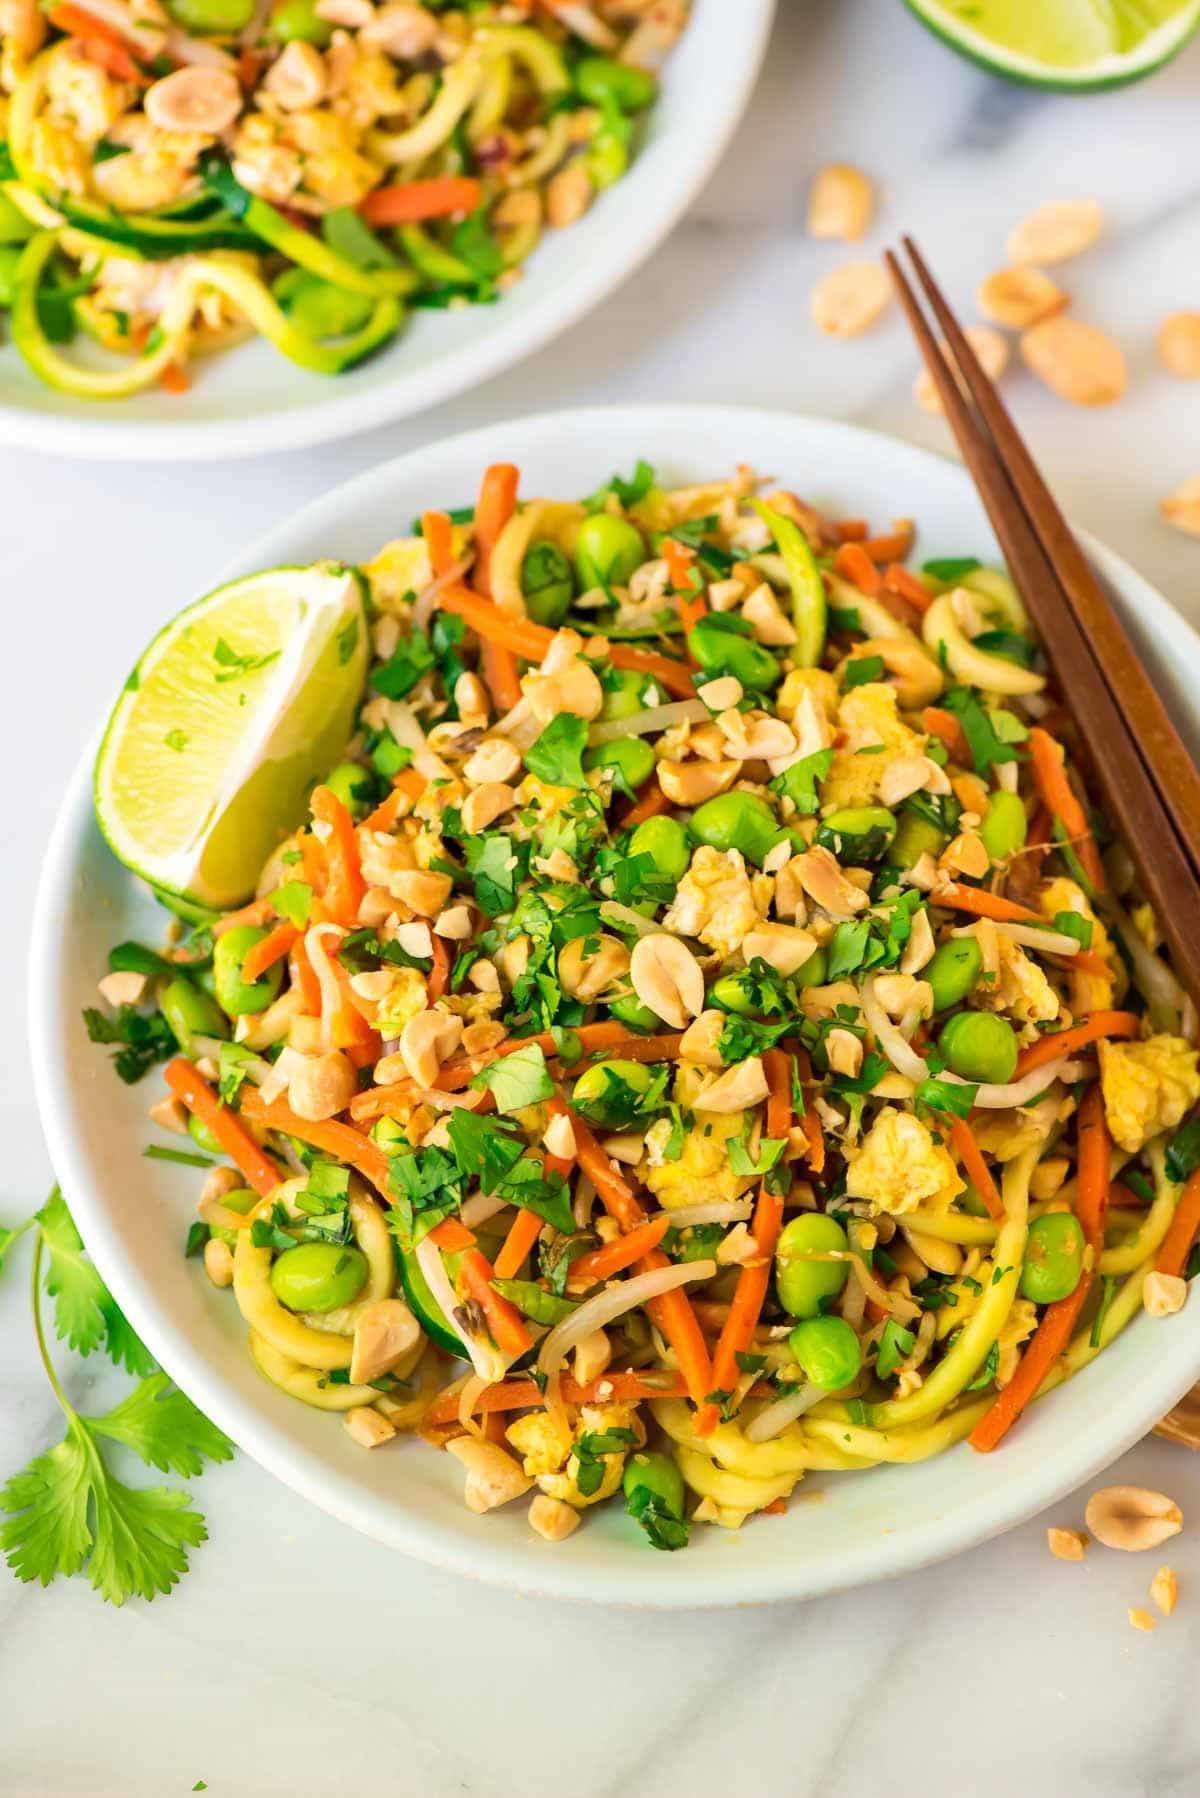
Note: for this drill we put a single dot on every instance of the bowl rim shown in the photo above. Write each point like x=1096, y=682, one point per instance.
x=514, y=336
x=878, y=1555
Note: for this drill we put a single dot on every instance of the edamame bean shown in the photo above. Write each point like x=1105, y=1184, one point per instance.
x=634, y=1015
x=608, y=1093
x=801, y=1283
x=626, y=695
x=649, y=1471
x=235, y=996
x=737, y=821
x=664, y=840
x=318, y=1276
x=734, y=992
x=607, y=551
x=1005, y=827
x=220, y=16
x=953, y=971
x=190, y=1013
x=600, y=79
x=814, y=971
x=914, y=838
x=291, y=19
x=980, y=1046
x=630, y=758
x=352, y=784
x=718, y=649
x=1053, y=1258
x=547, y=583
x=828, y=1350
x=607, y=158
x=858, y=835
x=202, y=1136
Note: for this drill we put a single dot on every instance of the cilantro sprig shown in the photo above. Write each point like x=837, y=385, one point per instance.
x=67, y=1512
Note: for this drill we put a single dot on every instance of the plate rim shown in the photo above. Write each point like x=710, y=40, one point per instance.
x=623, y=1581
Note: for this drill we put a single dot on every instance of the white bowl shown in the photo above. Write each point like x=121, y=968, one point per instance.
x=253, y=400
x=134, y=1213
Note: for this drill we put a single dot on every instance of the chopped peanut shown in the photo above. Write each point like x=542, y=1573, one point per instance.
x=840, y=203
x=1066, y=1545
x=1164, y=1590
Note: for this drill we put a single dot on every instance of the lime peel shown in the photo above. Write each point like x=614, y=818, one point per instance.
x=1067, y=44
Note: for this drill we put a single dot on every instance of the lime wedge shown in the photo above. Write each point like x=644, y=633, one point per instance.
x=1075, y=44
x=236, y=708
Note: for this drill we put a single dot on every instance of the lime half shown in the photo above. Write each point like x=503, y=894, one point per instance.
x=236, y=708
x=1074, y=44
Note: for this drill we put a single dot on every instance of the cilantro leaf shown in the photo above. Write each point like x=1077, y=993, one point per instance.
x=951, y=569
x=557, y=755
x=769, y=1151
x=663, y=1529
x=589, y=1451
x=408, y=663
x=988, y=748
x=495, y=864
x=162, y=1426
x=895, y=1345
x=293, y=901
x=517, y=1080
x=1183, y=1152
x=146, y=1037
x=233, y=1065
x=859, y=673
x=799, y=782
x=944, y=1097
x=81, y=1299
x=135, y=958
x=546, y=1195
x=627, y=493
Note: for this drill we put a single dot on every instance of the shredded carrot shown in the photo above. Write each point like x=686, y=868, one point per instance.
x=500, y=674
x=855, y=565
x=776, y=1508
x=680, y=561
x=1053, y=1334
x=894, y=545
x=249, y=67
x=624, y=1386
x=1177, y=1243
x=190, y=1086
x=174, y=377
x=304, y=977
x=439, y=974
x=345, y=885
x=754, y=1279
x=341, y=1141
x=982, y=904
x=669, y=674
x=601, y=1264
x=495, y=506
x=850, y=530
x=505, y=1322
x=450, y=1236
x=524, y=1231
x=268, y=950
x=976, y=1168
x=1058, y=796
x=810, y=1123
x=910, y=587
x=411, y=201
x=312, y=861
x=1065, y=1042
x=76, y=21
x=949, y=732
x=650, y=804
x=521, y=635
x=386, y=812
x=258, y=912
x=438, y=534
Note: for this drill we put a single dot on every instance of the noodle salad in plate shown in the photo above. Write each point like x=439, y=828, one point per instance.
x=697, y=1030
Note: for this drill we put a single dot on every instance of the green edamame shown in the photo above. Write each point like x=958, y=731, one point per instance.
x=190, y=1013
x=609, y=1093
x=352, y=784
x=235, y=996
x=664, y=840
x=547, y=582
x=649, y=1471
x=814, y=971
x=718, y=645
x=600, y=79
x=737, y=821
x=298, y=19
x=607, y=551
x=914, y=838
x=216, y=16
x=626, y=695
x=634, y=1015
x=858, y=835
x=1053, y=1258
x=953, y=971
x=631, y=759
x=318, y=1276
x=607, y=158
x=1005, y=827
x=980, y=1046
x=828, y=1350
x=202, y=1136
x=802, y=1283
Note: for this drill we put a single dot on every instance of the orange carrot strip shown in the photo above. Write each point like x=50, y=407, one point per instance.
x=439, y=974
x=909, y=586
x=386, y=812
x=500, y=674
x=851, y=530
x=524, y=1231
x=650, y=804
x=680, y=561
x=496, y=504
x=1177, y=1243
x=450, y=1236
x=258, y=912
x=411, y=201
x=976, y=1168
x=341, y=1141
x=1058, y=796
x=669, y=674
x=437, y=532
x=268, y=950
x=855, y=565
x=189, y=1085
x=600, y=1264
x=521, y=635
x=1053, y=1334
x=345, y=885
x=810, y=1123
x=949, y=732
x=503, y=1320
x=305, y=978
x=174, y=377
x=893, y=546
x=1066, y=1042
x=753, y=1280
x=76, y=21
x=312, y=860
x=623, y=1386
x=982, y=904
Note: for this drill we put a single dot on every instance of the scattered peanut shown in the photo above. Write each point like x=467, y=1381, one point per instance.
x=199, y=98
x=1142, y=1620
x=1019, y=297
x=850, y=299
x=691, y=783
x=322, y=1085
x=384, y=1332
x=426, y=1041
x=1182, y=508
x=218, y=1261
x=1056, y=231
x=1178, y=345
x=718, y=695
x=365, y=1425
x=1076, y=361
x=1132, y=1517
x=297, y=79
x=1066, y=1545
x=1164, y=1590
x=496, y=759
x=493, y=1477
x=1164, y=1294
x=840, y=203
x=568, y=196
x=589, y=965
x=552, y=1519
x=740, y=1087
x=667, y=977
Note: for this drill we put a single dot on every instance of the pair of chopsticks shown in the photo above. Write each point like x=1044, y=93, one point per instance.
x=1147, y=778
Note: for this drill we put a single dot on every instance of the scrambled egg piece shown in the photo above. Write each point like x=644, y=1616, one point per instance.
x=546, y=1442
x=899, y=1166
x=1006, y=1134
x=799, y=681
x=333, y=168
x=403, y=1001
x=702, y=1175
x=1147, y=1087
x=867, y=717
x=82, y=95
x=157, y=167
x=60, y=158
x=1020, y=988
x=1089, y=992
x=400, y=570
x=714, y=901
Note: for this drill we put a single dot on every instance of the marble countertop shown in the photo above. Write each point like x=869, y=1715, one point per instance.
x=296, y=1655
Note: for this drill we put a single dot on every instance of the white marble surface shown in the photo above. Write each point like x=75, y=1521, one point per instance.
x=295, y=1656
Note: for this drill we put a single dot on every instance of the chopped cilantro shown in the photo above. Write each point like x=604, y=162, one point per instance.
x=135, y=958
x=859, y=673
x=495, y=864
x=517, y=1080
x=662, y=1527
x=951, y=569
x=895, y=1345
x=293, y=901
x=627, y=493
x=407, y=665
x=589, y=1452
x=145, y=1038
x=1073, y=923
x=233, y=1065
x=557, y=755
x=1183, y=1154
x=182, y=1157
x=799, y=782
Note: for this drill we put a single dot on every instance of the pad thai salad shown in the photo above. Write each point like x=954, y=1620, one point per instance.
x=700, y=1031
x=179, y=175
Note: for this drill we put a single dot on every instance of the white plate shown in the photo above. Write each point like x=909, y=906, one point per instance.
x=253, y=400
x=134, y=1213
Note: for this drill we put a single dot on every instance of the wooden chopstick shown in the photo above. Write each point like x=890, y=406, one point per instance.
x=1126, y=779
x=1174, y=772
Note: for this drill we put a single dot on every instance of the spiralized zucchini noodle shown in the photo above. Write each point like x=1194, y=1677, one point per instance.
x=689, y=1044
x=179, y=175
